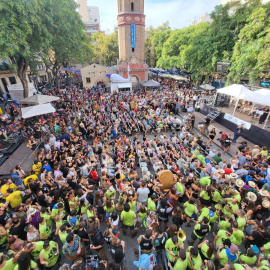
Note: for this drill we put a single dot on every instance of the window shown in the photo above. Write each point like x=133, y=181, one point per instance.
x=132, y=6
x=12, y=80
x=88, y=80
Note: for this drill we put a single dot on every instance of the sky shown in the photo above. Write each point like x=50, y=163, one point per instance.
x=179, y=13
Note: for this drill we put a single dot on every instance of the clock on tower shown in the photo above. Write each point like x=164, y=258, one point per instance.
x=131, y=39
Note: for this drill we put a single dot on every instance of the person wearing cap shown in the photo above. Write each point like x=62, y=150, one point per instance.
x=227, y=254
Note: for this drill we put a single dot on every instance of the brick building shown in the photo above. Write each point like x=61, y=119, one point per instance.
x=131, y=38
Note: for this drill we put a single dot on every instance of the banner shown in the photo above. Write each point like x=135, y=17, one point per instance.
x=133, y=35
x=237, y=121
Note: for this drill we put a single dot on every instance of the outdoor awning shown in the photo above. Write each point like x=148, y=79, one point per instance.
x=37, y=110
x=151, y=83
x=38, y=99
x=261, y=97
x=237, y=90
x=124, y=85
x=207, y=87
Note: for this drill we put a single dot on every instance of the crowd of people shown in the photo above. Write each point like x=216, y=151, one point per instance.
x=95, y=181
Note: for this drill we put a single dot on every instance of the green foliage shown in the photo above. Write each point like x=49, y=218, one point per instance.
x=155, y=39
x=251, y=51
x=104, y=48
x=30, y=29
x=241, y=38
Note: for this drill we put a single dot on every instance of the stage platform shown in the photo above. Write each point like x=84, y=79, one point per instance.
x=22, y=156
x=244, y=117
x=256, y=134
x=199, y=117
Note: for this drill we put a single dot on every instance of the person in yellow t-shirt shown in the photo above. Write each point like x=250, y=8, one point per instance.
x=25, y=180
x=14, y=197
x=6, y=186
x=37, y=166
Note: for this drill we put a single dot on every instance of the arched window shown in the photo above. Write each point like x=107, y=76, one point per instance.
x=132, y=6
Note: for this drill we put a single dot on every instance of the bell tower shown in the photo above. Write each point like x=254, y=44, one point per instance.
x=131, y=39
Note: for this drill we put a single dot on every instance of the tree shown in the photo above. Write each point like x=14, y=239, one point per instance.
x=105, y=48
x=23, y=33
x=69, y=43
x=251, y=51
x=31, y=29
x=155, y=38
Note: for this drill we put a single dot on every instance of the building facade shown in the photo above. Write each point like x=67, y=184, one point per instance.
x=131, y=39
x=205, y=18
x=95, y=74
x=90, y=16
x=8, y=76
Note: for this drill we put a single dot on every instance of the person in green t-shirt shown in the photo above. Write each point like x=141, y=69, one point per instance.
x=194, y=258
x=216, y=196
x=34, y=248
x=201, y=229
x=58, y=209
x=207, y=249
x=49, y=255
x=205, y=181
x=44, y=230
x=190, y=210
x=238, y=234
x=223, y=235
x=128, y=217
x=181, y=263
x=249, y=258
x=266, y=249
x=231, y=207
x=225, y=254
x=241, y=219
x=151, y=203
x=62, y=232
x=24, y=262
x=224, y=224
x=263, y=264
x=172, y=246
x=9, y=264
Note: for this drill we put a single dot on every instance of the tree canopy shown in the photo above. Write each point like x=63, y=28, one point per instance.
x=241, y=38
x=30, y=29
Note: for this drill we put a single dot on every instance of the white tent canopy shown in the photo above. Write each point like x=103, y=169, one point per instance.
x=175, y=77
x=236, y=90
x=151, y=83
x=261, y=97
x=37, y=110
x=207, y=87
x=38, y=99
